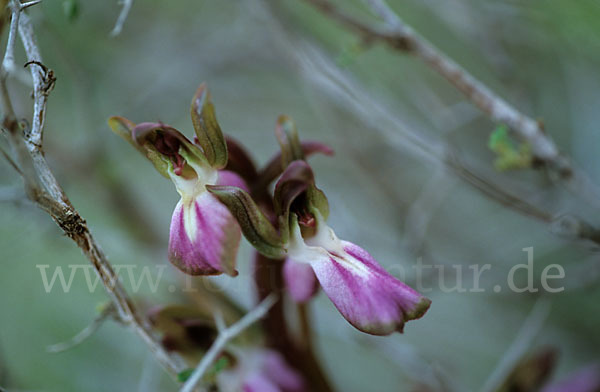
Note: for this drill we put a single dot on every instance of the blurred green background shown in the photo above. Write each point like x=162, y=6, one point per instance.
x=388, y=117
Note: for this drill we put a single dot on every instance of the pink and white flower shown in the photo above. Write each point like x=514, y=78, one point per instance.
x=364, y=293
x=204, y=237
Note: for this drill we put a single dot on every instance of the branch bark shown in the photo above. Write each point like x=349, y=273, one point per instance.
x=225, y=335
x=43, y=189
x=400, y=36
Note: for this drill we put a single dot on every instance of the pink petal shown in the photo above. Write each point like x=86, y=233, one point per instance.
x=260, y=370
x=366, y=295
x=585, y=380
x=230, y=178
x=281, y=373
x=208, y=244
x=259, y=383
x=300, y=280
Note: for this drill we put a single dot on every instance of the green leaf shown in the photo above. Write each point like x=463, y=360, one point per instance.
x=221, y=364
x=499, y=141
x=209, y=134
x=254, y=224
x=184, y=375
x=509, y=157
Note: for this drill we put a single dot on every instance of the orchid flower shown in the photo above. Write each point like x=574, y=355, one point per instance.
x=260, y=370
x=204, y=237
x=366, y=295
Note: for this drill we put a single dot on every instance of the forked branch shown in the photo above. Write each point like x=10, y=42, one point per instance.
x=43, y=189
x=400, y=36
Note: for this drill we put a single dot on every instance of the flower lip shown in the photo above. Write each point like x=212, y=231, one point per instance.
x=366, y=295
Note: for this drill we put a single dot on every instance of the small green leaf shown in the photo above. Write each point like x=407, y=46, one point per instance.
x=509, y=157
x=254, y=224
x=499, y=141
x=209, y=134
x=184, y=375
x=221, y=364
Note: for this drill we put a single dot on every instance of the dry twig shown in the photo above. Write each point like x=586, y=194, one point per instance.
x=122, y=18
x=402, y=37
x=225, y=335
x=43, y=189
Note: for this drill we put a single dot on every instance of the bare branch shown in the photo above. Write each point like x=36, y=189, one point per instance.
x=10, y=161
x=8, y=63
x=529, y=330
x=29, y=4
x=225, y=336
x=402, y=37
x=42, y=80
x=43, y=189
x=122, y=17
x=85, y=333
x=346, y=93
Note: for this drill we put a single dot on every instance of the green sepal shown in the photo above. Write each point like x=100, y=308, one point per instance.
x=239, y=161
x=254, y=224
x=287, y=136
x=144, y=135
x=295, y=181
x=209, y=134
x=273, y=168
x=317, y=199
x=123, y=127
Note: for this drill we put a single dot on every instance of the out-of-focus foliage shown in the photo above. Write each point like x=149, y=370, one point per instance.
x=265, y=58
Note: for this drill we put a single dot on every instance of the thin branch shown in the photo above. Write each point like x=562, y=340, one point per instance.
x=43, y=189
x=529, y=330
x=12, y=194
x=8, y=63
x=29, y=4
x=85, y=333
x=122, y=18
x=402, y=37
x=43, y=81
x=349, y=95
x=219, y=320
x=10, y=161
x=225, y=336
